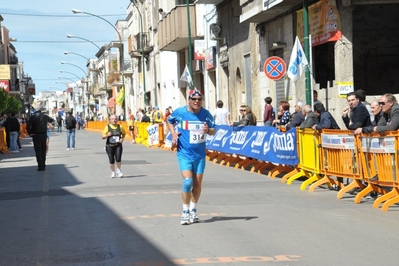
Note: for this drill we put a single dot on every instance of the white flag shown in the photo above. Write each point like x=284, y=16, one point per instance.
x=186, y=76
x=297, y=61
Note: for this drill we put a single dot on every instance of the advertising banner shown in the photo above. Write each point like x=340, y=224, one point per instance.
x=262, y=143
x=199, y=48
x=4, y=85
x=5, y=72
x=153, y=135
x=324, y=22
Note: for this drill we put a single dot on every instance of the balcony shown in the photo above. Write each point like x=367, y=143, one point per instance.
x=173, y=29
x=136, y=44
x=265, y=10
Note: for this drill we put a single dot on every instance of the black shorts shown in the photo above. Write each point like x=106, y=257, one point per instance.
x=131, y=128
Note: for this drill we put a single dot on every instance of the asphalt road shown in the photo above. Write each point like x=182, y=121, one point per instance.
x=74, y=214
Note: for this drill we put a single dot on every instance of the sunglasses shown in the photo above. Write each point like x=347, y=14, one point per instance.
x=381, y=103
x=196, y=99
x=242, y=110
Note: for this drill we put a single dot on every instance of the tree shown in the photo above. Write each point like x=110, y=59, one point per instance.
x=9, y=104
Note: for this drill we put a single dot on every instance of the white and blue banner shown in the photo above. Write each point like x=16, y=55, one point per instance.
x=262, y=143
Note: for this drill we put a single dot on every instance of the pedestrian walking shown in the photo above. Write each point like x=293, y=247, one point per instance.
x=37, y=129
x=193, y=124
x=115, y=134
x=70, y=122
x=59, y=123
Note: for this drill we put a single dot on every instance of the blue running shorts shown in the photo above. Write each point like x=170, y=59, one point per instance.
x=195, y=166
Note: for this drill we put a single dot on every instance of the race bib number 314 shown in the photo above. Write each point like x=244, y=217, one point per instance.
x=197, y=136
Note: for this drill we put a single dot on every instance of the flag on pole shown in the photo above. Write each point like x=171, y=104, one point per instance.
x=297, y=61
x=186, y=76
x=121, y=97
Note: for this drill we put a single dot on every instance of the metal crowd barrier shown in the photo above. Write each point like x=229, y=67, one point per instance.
x=379, y=161
x=339, y=159
x=309, y=158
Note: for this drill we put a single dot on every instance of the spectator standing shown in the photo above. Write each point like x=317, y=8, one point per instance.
x=139, y=114
x=324, y=118
x=359, y=115
x=131, y=124
x=390, y=106
x=247, y=117
x=284, y=110
x=315, y=97
x=297, y=117
x=310, y=117
x=380, y=119
x=362, y=98
x=37, y=129
x=268, y=112
x=157, y=115
x=12, y=127
x=194, y=123
x=71, y=128
x=221, y=115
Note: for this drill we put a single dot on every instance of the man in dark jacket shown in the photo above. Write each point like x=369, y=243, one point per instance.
x=324, y=118
x=37, y=129
x=70, y=122
x=380, y=119
x=390, y=106
x=297, y=117
x=310, y=117
x=359, y=115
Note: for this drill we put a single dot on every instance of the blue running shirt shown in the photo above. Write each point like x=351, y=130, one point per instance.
x=192, y=141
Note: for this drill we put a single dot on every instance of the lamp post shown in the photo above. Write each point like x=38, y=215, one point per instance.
x=87, y=77
x=66, y=63
x=121, y=57
x=98, y=47
x=189, y=45
x=66, y=53
x=62, y=71
x=142, y=49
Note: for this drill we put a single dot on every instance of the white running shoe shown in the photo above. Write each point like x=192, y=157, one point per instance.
x=119, y=173
x=193, y=216
x=112, y=174
x=185, y=218
x=67, y=149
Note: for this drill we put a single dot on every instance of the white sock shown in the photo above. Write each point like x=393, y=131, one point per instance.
x=193, y=205
x=185, y=207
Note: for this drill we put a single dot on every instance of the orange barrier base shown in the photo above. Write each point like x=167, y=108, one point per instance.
x=326, y=179
x=356, y=183
x=394, y=193
x=370, y=188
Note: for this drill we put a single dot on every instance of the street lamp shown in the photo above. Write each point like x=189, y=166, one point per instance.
x=66, y=63
x=98, y=47
x=142, y=48
x=62, y=71
x=121, y=57
x=66, y=53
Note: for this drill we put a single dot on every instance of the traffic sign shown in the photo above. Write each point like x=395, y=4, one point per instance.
x=274, y=68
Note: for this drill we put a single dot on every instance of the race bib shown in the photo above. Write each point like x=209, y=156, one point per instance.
x=114, y=139
x=197, y=136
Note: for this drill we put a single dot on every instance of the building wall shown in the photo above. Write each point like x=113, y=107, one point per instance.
x=237, y=36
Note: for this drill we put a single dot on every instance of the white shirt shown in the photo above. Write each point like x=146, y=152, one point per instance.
x=220, y=115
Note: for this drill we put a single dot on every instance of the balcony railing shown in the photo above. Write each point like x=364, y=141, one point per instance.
x=136, y=44
x=173, y=29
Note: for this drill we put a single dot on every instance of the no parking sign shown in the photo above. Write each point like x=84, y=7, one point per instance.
x=274, y=68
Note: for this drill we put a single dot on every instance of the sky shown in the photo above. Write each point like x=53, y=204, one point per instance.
x=41, y=26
